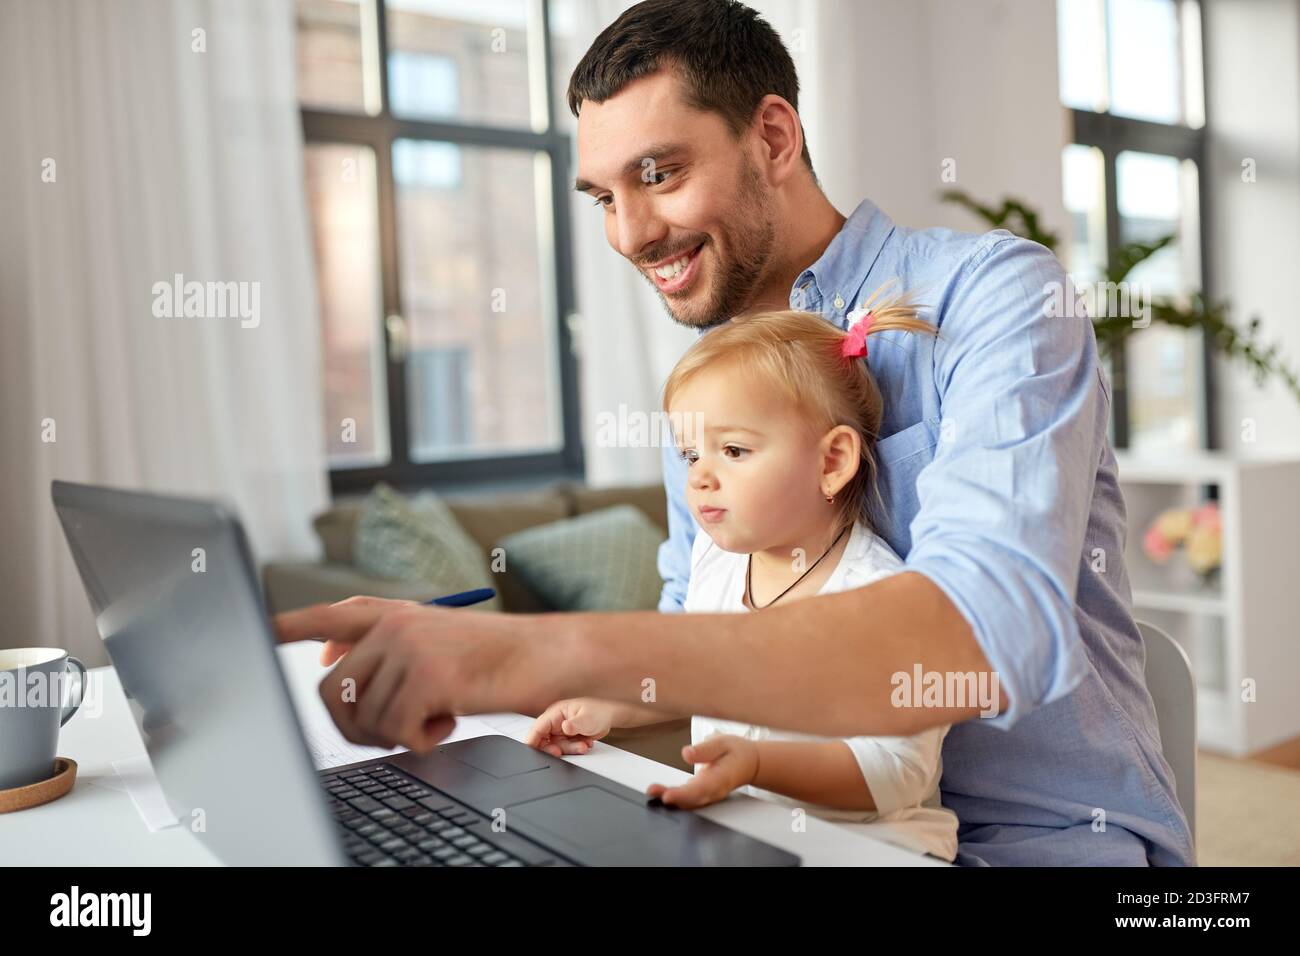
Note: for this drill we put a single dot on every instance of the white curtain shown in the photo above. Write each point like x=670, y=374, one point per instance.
x=145, y=140
x=627, y=341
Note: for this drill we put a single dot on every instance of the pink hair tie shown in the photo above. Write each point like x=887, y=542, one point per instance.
x=855, y=341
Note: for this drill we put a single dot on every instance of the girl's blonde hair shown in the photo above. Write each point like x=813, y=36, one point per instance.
x=798, y=356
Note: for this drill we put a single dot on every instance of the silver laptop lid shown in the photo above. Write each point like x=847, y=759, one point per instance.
x=176, y=601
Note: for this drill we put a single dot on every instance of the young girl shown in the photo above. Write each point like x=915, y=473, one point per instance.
x=777, y=416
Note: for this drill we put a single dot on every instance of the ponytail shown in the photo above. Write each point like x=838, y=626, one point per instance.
x=892, y=313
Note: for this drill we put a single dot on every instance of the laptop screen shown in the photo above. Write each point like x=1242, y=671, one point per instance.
x=175, y=599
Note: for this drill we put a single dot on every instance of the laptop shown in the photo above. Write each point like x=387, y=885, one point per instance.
x=172, y=585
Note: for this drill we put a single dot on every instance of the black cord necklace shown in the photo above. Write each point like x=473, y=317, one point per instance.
x=749, y=563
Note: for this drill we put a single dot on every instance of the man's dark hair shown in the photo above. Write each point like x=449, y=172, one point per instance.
x=727, y=56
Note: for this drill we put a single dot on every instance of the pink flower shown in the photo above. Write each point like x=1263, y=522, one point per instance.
x=1208, y=517
x=1156, y=545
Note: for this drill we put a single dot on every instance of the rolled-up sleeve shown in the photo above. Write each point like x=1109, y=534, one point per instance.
x=675, y=553
x=1004, y=505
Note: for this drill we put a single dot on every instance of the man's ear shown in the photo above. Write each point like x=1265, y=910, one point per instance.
x=777, y=125
x=841, y=458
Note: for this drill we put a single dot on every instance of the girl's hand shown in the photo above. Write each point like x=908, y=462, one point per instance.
x=730, y=762
x=571, y=726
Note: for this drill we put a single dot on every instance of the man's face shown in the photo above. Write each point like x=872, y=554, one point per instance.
x=681, y=199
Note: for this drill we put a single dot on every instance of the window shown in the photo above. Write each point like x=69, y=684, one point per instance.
x=1131, y=78
x=422, y=85
x=436, y=185
x=341, y=192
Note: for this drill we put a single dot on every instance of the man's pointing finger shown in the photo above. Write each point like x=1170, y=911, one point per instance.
x=346, y=623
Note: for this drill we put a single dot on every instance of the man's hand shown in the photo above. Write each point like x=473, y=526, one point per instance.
x=335, y=649
x=730, y=762
x=409, y=668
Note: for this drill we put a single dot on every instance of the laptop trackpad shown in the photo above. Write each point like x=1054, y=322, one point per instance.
x=588, y=817
x=499, y=756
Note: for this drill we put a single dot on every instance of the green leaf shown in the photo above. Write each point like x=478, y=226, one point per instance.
x=1212, y=319
x=1013, y=215
x=1131, y=253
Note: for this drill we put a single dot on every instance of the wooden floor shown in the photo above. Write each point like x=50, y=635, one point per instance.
x=1248, y=809
x=1283, y=755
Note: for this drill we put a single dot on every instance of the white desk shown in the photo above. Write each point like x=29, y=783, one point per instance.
x=97, y=826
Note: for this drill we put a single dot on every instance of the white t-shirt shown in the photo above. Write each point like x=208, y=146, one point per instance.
x=902, y=772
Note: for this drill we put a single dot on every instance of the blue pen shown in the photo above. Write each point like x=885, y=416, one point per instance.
x=464, y=598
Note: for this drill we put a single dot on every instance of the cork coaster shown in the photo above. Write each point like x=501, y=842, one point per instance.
x=43, y=791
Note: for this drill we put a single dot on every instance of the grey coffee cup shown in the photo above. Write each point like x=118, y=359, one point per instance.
x=32, y=685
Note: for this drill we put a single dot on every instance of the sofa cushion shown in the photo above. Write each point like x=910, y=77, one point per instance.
x=602, y=561
x=491, y=515
x=650, y=500
x=420, y=540
x=489, y=518
x=336, y=527
x=291, y=585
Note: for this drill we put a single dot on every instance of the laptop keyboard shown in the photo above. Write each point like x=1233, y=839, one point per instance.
x=388, y=818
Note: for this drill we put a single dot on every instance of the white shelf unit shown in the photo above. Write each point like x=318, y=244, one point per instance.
x=1246, y=626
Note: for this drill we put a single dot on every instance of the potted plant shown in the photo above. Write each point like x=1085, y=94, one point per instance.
x=1222, y=334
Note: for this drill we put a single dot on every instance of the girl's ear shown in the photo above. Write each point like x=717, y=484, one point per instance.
x=841, y=457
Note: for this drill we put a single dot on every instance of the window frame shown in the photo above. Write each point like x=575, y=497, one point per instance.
x=379, y=132
x=1113, y=134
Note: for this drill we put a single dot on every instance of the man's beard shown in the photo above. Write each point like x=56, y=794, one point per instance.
x=752, y=241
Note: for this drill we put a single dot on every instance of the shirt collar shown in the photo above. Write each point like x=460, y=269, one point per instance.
x=833, y=284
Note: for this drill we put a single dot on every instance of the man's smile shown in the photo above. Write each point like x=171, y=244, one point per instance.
x=674, y=275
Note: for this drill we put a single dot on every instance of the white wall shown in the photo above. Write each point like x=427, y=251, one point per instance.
x=1253, y=111
x=910, y=83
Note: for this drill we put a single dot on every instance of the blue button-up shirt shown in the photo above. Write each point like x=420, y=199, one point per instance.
x=1000, y=485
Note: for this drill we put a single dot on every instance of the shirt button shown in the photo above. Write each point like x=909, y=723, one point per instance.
x=839, y=301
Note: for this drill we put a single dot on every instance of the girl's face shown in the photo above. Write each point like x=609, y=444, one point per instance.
x=755, y=471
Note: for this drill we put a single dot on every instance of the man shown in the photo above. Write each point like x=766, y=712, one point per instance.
x=999, y=483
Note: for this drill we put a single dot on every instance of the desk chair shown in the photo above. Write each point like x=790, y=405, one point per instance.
x=1173, y=689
